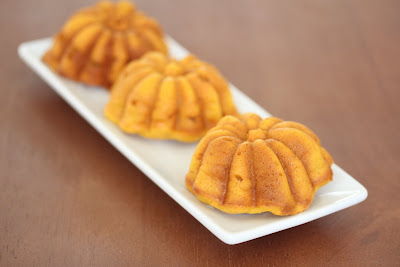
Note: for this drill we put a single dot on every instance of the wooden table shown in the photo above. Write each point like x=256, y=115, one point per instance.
x=67, y=197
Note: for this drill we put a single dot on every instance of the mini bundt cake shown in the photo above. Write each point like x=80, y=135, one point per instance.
x=249, y=165
x=96, y=43
x=159, y=97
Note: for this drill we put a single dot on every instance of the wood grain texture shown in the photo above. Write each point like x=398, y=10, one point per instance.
x=68, y=198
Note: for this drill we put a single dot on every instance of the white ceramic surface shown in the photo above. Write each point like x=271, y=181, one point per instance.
x=166, y=162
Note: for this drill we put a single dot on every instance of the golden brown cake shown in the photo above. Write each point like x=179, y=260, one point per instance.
x=249, y=165
x=163, y=98
x=96, y=43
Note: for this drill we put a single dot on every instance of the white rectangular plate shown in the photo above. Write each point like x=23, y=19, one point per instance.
x=168, y=164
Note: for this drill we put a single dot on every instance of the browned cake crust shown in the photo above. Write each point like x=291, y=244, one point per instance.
x=160, y=97
x=249, y=165
x=96, y=43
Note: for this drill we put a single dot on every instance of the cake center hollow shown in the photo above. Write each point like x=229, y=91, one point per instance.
x=118, y=17
x=173, y=69
x=255, y=134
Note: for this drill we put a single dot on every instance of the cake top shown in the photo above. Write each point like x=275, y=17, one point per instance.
x=250, y=127
x=167, y=66
x=121, y=16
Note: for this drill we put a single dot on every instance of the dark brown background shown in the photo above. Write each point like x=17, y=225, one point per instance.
x=67, y=197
